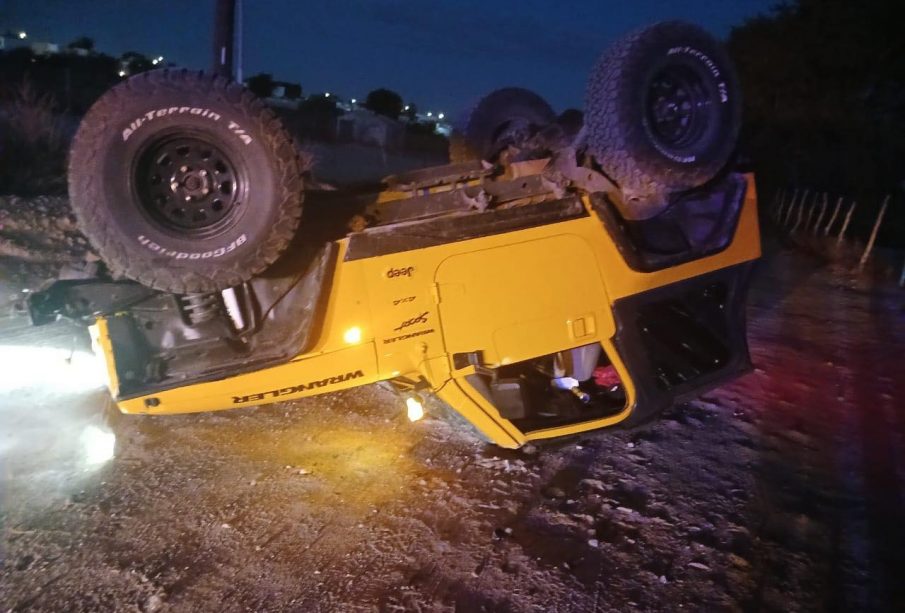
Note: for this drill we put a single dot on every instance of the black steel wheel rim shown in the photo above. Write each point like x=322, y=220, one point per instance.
x=678, y=107
x=188, y=186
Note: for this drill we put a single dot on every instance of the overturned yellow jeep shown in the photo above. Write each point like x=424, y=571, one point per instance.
x=562, y=274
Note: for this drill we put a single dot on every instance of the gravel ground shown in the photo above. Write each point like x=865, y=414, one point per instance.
x=783, y=491
x=41, y=230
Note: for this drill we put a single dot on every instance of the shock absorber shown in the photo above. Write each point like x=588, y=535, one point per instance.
x=200, y=308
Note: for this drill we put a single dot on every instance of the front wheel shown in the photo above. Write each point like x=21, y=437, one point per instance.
x=185, y=182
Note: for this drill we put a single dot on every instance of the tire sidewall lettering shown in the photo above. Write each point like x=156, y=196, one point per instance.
x=709, y=64
x=195, y=255
x=145, y=119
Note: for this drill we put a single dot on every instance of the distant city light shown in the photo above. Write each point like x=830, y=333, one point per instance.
x=429, y=114
x=406, y=107
x=326, y=94
x=22, y=35
x=354, y=100
x=122, y=73
x=440, y=116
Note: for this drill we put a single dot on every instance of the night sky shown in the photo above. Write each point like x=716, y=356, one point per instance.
x=440, y=55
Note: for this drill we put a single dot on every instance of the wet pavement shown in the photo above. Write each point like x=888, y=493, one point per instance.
x=784, y=491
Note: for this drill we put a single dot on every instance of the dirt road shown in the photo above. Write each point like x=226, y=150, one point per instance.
x=784, y=491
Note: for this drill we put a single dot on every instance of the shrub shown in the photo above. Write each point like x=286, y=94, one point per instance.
x=34, y=140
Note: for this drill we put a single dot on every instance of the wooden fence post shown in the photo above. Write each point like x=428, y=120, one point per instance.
x=791, y=208
x=800, y=212
x=777, y=210
x=873, y=234
x=807, y=224
x=848, y=218
x=829, y=225
x=774, y=202
x=826, y=199
x=782, y=211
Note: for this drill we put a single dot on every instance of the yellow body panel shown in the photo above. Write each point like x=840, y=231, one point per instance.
x=516, y=302
x=101, y=344
x=512, y=296
x=306, y=376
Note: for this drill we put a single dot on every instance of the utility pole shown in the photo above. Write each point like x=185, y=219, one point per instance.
x=237, y=55
x=224, y=37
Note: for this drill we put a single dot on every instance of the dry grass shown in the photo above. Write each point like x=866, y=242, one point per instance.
x=33, y=144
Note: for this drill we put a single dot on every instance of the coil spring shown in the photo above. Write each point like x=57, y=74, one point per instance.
x=200, y=308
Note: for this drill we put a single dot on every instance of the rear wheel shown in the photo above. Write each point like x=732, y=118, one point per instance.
x=185, y=182
x=663, y=110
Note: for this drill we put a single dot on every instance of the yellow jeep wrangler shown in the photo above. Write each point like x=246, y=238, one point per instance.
x=559, y=276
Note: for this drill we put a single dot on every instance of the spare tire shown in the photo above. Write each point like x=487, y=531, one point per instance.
x=507, y=116
x=663, y=110
x=185, y=182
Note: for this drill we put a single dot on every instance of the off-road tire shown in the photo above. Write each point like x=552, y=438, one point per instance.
x=477, y=131
x=626, y=116
x=109, y=163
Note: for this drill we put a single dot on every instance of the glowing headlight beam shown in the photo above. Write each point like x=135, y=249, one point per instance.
x=97, y=445
x=414, y=408
x=50, y=367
